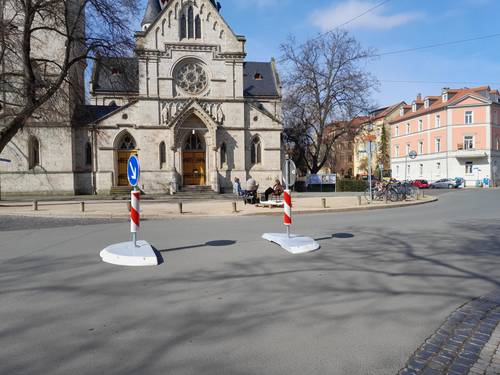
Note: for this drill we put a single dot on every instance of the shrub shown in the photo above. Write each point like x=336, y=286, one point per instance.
x=351, y=185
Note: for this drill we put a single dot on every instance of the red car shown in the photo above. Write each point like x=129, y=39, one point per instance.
x=421, y=184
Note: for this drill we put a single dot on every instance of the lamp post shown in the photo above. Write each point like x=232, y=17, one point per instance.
x=369, y=141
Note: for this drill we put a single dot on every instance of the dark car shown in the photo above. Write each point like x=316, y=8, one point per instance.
x=445, y=183
x=421, y=184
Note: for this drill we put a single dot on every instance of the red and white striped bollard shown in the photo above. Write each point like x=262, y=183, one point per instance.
x=135, y=216
x=287, y=218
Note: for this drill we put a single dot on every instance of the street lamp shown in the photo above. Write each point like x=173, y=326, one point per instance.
x=369, y=139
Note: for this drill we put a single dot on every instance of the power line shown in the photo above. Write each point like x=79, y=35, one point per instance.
x=360, y=15
x=453, y=42
x=439, y=82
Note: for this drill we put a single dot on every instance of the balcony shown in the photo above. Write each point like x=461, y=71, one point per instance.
x=469, y=153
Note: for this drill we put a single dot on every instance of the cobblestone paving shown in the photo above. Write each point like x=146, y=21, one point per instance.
x=467, y=343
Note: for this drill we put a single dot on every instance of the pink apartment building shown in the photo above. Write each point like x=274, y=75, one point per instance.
x=456, y=134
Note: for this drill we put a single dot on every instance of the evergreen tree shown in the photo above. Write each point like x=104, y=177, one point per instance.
x=383, y=150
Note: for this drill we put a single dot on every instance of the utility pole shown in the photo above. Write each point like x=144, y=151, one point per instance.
x=369, y=142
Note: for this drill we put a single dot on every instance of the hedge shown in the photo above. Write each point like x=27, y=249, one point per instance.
x=351, y=185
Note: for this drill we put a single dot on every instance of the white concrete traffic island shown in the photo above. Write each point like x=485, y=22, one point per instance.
x=295, y=244
x=134, y=253
x=129, y=254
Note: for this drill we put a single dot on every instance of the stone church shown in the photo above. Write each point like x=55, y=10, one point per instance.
x=187, y=103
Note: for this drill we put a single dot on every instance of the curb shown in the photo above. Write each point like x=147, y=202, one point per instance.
x=238, y=214
x=351, y=209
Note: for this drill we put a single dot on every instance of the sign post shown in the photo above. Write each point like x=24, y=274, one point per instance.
x=412, y=155
x=133, y=253
x=292, y=243
x=369, y=139
x=133, y=173
x=290, y=178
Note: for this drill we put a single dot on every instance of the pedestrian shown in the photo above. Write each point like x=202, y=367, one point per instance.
x=277, y=189
x=237, y=187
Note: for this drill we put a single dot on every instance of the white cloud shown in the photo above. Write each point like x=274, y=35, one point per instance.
x=256, y=3
x=337, y=14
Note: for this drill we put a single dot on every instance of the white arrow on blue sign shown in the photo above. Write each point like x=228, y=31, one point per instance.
x=133, y=170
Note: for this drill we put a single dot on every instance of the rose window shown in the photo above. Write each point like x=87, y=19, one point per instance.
x=192, y=78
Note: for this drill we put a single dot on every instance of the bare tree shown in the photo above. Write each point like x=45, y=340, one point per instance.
x=325, y=87
x=44, y=48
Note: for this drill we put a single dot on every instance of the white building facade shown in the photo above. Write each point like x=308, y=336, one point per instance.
x=187, y=103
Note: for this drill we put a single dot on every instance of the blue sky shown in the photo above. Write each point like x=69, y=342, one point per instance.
x=398, y=24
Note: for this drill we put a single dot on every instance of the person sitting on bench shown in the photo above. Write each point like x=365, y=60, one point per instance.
x=277, y=190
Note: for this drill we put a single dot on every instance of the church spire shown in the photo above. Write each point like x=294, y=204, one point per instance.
x=152, y=11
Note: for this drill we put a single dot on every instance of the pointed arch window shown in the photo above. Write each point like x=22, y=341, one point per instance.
x=183, y=26
x=34, y=152
x=190, y=23
x=88, y=154
x=223, y=155
x=163, y=154
x=256, y=151
x=127, y=142
x=198, y=27
x=193, y=143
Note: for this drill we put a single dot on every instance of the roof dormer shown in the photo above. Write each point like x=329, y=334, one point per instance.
x=444, y=95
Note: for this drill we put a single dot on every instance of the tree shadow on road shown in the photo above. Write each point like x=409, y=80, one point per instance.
x=186, y=317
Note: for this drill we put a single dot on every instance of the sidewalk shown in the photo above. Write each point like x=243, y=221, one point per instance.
x=468, y=343
x=212, y=208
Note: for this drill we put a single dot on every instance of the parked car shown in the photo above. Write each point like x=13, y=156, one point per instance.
x=421, y=184
x=445, y=183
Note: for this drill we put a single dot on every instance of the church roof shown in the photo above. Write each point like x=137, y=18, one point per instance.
x=116, y=74
x=260, y=79
x=152, y=11
x=121, y=74
x=87, y=114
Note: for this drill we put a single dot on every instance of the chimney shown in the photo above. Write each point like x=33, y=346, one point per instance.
x=419, y=97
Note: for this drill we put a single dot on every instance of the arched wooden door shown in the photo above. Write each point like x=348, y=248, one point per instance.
x=126, y=148
x=194, y=161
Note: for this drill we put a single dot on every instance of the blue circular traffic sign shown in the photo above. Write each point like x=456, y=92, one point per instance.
x=133, y=170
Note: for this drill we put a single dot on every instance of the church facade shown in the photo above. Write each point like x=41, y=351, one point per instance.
x=187, y=103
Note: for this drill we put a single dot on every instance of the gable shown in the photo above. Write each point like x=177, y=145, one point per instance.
x=469, y=100
x=202, y=22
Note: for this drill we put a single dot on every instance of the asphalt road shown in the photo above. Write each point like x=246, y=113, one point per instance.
x=227, y=302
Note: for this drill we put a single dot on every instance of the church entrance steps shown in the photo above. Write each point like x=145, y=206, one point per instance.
x=196, y=189
x=120, y=190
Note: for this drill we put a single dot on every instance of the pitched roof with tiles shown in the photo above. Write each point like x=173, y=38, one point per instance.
x=458, y=94
x=116, y=74
x=121, y=74
x=383, y=112
x=260, y=80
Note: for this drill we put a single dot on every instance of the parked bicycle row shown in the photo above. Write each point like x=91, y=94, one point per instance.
x=393, y=191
